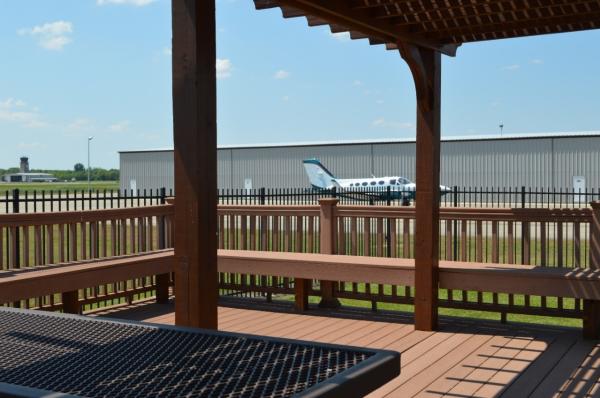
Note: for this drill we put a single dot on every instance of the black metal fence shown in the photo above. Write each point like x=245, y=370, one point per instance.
x=15, y=201
x=455, y=197
x=51, y=200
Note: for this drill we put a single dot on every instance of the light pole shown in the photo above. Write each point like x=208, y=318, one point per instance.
x=89, y=175
x=501, y=128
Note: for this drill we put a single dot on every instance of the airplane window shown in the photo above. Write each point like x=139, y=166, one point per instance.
x=381, y=182
x=373, y=183
x=393, y=182
x=365, y=184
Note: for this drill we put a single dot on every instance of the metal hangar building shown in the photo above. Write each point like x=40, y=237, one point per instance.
x=547, y=160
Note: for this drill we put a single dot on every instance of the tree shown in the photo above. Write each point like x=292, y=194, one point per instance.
x=79, y=167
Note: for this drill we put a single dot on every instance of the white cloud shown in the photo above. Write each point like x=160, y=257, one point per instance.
x=16, y=111
x=30, y=145
x=285, y=98
x=357, y=83
x=137, y=3
x=119, y=126
x=281, y=74
x=51, y=35
x=81, y=124
x=380, y=101
x=512, y=67
x=224, y=68
x=341, y=36
x=383, y=123
x=167, y=51
x=537, y=61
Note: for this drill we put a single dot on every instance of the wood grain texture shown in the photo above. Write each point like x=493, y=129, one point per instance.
x=464, y=358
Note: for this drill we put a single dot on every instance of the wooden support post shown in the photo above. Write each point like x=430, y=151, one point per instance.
x=591, y=308
x=327, y=246
x=425, y=65
x=195, y=138
x=301, y=289
x=70, y=302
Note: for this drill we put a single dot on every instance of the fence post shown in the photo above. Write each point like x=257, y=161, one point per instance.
x=162, y=280
x=388, y=236
x=328, y=224
x=524, y=232
x=455, y=226
x=262, y=196
x=16, y=239
x=591, y=308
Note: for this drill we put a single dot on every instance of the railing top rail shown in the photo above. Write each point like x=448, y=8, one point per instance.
x=68, y=217
x=462, y=213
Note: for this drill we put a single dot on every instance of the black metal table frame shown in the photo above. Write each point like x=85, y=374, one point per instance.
x=357, y=381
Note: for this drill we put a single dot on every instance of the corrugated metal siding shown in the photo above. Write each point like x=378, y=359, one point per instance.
x=498, y=164
x=534, y=162
x=150, y=170
x=577, y=157
x=282, y=167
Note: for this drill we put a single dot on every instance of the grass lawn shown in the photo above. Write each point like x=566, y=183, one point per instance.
x=58, y=186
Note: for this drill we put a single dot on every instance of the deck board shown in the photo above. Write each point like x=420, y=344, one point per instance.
x=465, y=358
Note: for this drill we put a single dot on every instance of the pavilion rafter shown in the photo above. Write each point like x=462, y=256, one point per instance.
x=442, y=25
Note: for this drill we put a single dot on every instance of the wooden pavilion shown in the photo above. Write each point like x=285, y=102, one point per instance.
x=421, y=30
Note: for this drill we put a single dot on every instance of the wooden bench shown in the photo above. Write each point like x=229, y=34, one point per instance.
x=499, y=278
x=66, y=278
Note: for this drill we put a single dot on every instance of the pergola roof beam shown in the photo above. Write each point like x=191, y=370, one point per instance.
x=337, y=12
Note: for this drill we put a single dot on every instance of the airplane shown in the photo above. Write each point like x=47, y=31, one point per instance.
x=401, y=188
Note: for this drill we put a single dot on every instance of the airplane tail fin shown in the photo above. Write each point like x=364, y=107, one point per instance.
x=318, y=175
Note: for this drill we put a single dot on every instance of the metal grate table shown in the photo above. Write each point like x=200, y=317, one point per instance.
x=42, y=352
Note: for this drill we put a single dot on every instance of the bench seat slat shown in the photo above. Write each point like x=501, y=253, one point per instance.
x=40, y=281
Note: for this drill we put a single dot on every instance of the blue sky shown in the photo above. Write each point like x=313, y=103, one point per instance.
x=77, y=68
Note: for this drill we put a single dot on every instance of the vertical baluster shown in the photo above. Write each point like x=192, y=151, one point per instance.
x=526, y=253
x=299, y=230
x=287, y=234
x=113, y=237
x=341, y=236
x=379, y=244
x=38, y=246
x=25, y=234
x=367, y=237
x=275, y=235
x=576, y=244
x=353, y=237
x=543, y=244
x=49, y=244
x=406, y=238
x=221, y=231
x=123, y=236
x=511, y=243
x=243, y=232
x=479, y=241
x=310, y=247
x=253, y=232
x=83, y=241
x=62, y=238
x=132, y=233
x=464, y=254
x=495, y=248
x=559, y=244
x=449, y=240
x=264, y=233
x=393, y=243
x=232, y=232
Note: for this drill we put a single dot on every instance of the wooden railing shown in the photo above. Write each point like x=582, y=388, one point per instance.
x=544, y=237
x=30, y=240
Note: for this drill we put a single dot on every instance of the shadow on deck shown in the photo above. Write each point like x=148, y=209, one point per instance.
x=465, y=358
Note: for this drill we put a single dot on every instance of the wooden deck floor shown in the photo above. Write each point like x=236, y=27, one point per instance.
x=465, y=359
